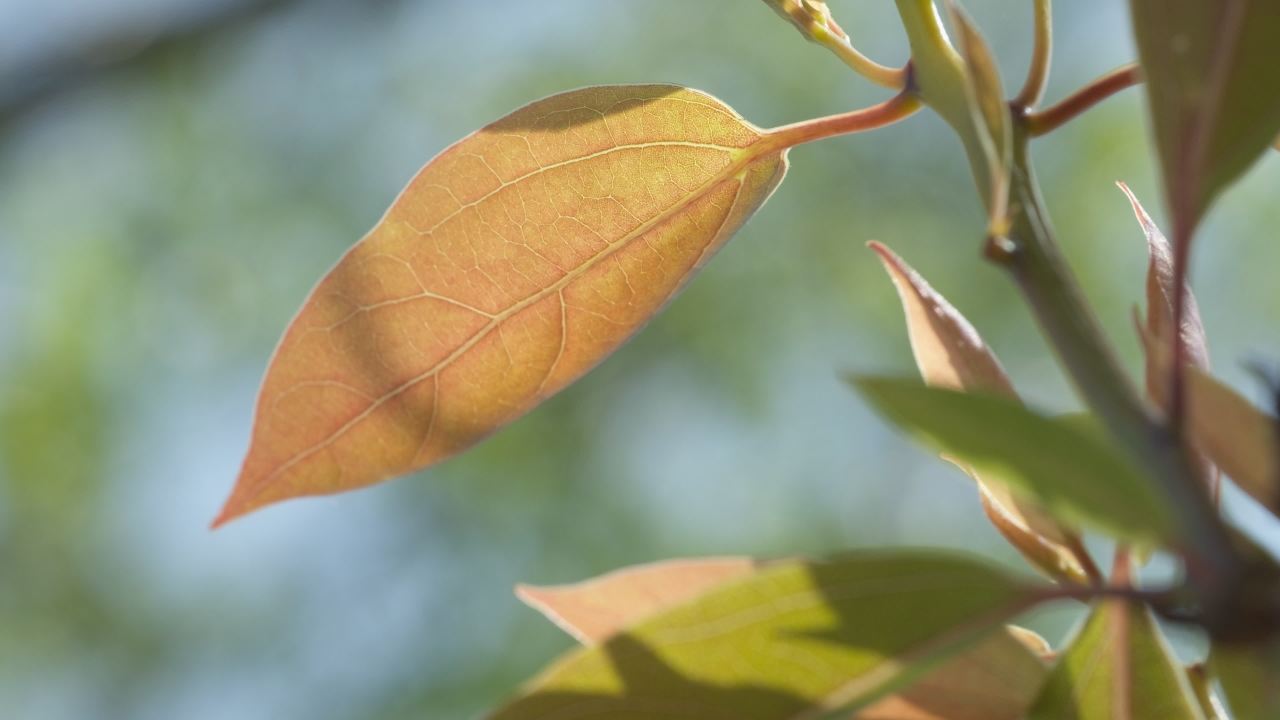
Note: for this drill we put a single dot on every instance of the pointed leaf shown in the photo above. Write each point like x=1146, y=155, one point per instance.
x=1073, y=472
x=1250, y=677
x=593, y=610
x=1160, y=294
x=951, y=354
x=791, y=639
x=514, y=262
x=1213, y=90
x=1118, y=667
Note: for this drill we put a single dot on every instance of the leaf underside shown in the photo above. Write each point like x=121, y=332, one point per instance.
x=515, y=261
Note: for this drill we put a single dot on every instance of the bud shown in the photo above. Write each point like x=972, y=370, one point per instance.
x=811, y=17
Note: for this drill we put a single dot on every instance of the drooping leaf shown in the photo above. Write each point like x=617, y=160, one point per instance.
x=1160, y=295
x=513, y=263
x=1250, y=677
x=1073, y=472
x=793, y=638
x=1118, y=667
x=593, y=610
x=950, y=354
x=1241, y=440
x=1213, y=90
x=995, y=680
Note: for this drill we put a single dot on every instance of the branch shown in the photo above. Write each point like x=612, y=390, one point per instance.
x=1052, y=118
x=1038, y=73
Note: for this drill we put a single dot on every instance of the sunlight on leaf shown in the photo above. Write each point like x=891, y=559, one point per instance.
x=793, y=638
x=994, y=680
x=1072, y=471
x=594, y=609
x=1118, y=666
x=950, y=354
x=1213, y=90
x=514, y=262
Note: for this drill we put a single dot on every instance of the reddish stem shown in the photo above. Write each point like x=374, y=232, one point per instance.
x=1055, y=116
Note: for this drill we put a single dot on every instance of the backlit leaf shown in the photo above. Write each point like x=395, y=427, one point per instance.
x=1250, y=677
x=514, y=262
x=950, y=354
x=1213, y=89
x=1072, y=471
x=1117, y=666
x=995, y=680
x=593, y=610
x=795, y=639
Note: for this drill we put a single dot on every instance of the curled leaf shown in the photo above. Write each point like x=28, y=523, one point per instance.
x=950, y=354
x=790, y=640
x=1161, y=291
x=513, y=263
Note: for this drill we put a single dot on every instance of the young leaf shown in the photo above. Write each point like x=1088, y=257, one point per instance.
x=593, y=610
x=1213, y=89
x=950, y=354
x=514, y=262
x=1073, y=472
x=1160, y=294
x=793, y=639
x=994, y=680
x=1250, y=677
x=1118, y=667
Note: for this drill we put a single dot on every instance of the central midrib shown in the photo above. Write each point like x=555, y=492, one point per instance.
x=733, y=169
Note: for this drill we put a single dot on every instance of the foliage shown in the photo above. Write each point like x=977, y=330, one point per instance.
x=526, y=253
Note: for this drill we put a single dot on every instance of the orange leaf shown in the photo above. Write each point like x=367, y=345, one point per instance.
x=514, y=262
x=594, y=609
x=951, y=354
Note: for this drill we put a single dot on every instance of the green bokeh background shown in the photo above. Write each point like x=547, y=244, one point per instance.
x=161, y=221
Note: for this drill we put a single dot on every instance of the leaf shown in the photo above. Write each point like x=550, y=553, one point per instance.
x=990, y=111
x=997, y=678
x=593, y=610
x=1161, y=291
x=1241, y=440
x=1250, y=677
x=1213, y=90
x=1118, y=667
x=950, y=354
x=514, y=262
x=1073, y=472
x=794, y=638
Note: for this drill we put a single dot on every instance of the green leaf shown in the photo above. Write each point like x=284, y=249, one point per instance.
x=1250, y=677
x=1118, y=666
x=795, y=639
x=1214, y=91
x=1073, y=471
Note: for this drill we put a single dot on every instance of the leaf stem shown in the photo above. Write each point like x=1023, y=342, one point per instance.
x=886, y=113
x=1053, y=117
x=1038, y=74
x=1032, y=257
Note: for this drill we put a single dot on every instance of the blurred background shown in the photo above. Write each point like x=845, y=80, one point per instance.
x=176, y=174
